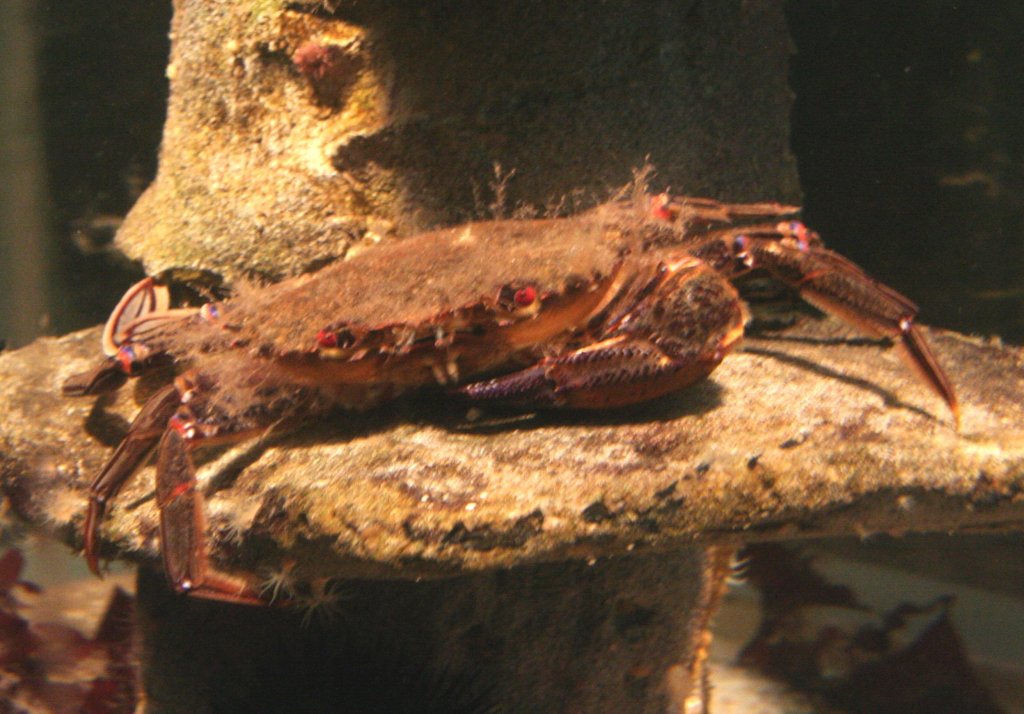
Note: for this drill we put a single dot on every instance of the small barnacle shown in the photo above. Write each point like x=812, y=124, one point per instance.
x=278, y=582
x=321, y=602
x=906, y=502
x=233, y=527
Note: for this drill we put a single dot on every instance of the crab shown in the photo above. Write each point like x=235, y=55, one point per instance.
x=623, y=303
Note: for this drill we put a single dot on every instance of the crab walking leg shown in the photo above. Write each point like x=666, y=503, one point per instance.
x=830, y=282
x=182, y=519
x=672, y=336
x=834, y=284
x=708, y=211
x=165, y=425
x=131, y=454
x=110, y=374
x=146, y=297
x=106, y=377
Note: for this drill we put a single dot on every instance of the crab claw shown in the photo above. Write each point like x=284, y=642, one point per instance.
x=111, y=373
x=145, y=298
x=673, y=333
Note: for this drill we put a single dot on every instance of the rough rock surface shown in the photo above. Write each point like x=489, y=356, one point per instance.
x=296, y=130
x=802, y=433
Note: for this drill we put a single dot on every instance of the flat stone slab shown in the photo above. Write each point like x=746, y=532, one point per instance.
x=806, y=432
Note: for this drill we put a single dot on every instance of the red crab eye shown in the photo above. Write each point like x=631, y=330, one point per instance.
x=524, y=297
x=327, y=338
x=338, y=337
x=661, y=207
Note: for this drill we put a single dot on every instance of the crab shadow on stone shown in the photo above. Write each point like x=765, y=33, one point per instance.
x=692, y=401
x=890, y=399
x=449, y=413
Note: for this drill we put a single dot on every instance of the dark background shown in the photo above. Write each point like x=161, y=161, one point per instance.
x=908, y=128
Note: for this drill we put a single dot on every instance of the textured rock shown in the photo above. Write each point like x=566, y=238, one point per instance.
x=803, y=433
x=294, y=132
x=478, y=553
x=625, y=634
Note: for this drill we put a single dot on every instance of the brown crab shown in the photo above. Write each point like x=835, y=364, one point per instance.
x=615, y=306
